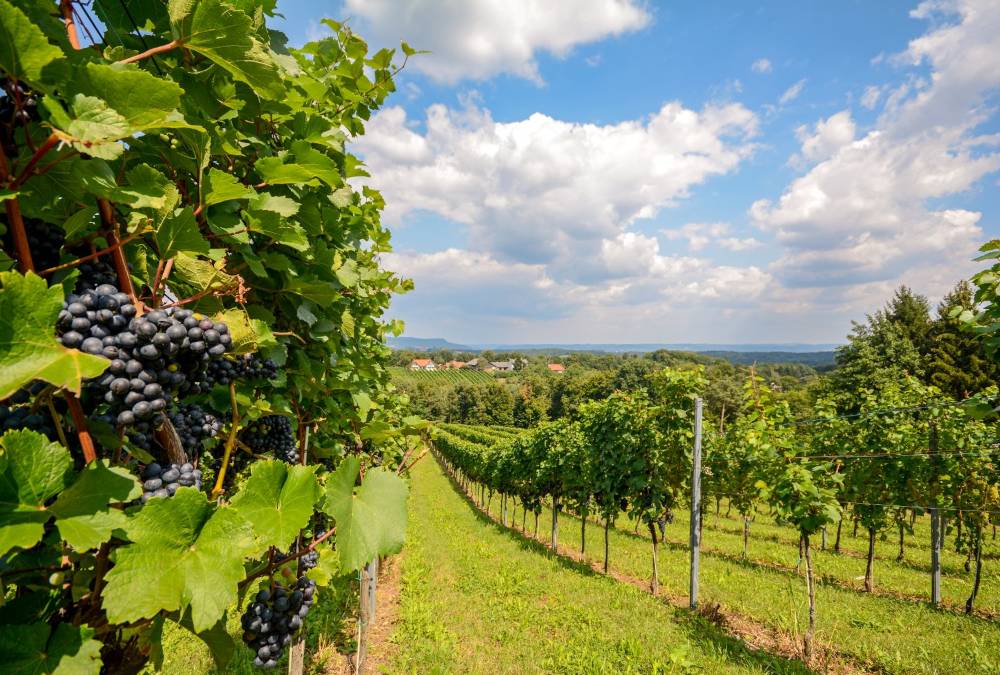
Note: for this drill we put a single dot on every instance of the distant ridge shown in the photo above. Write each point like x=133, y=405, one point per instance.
x=428, y=344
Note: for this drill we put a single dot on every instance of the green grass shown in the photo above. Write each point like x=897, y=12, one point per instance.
x=477, y=598
x=893, y=635
x=441, y=377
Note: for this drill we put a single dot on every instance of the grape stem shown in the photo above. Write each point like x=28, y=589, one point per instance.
x=80, y=422
x=230, y=443
x=117, y=255
x=418, y=458
x=17, y=231
x=57, y=418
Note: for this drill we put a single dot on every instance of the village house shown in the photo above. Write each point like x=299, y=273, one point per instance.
x=452, y=365
x=503, y=366
x=557, y=368
x=422, y=364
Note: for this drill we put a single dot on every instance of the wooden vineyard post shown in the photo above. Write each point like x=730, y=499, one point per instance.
x=695, y=503
x=935, y=557
x=555, y=523
x=369, y=581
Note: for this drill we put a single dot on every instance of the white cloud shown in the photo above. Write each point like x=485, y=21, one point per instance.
x=869, y=213
x=825, y=139
x=545, y=191
x=482, y=39
x=701, y=235
x=871, y=96
x=792, y=92
x=593, y=61
x=762, y=66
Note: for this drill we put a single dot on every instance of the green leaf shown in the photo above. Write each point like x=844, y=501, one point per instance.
x=32, y=650
x=278, y=499
x=284, y=232
x=222, y=187
x=225, y=35
x=200, y=275
x=142, y=99
x=316, y=163
x=370, y=522
x=82, y=511
x=180, y=234
x=283, y=206
x=28, y=347
x=276, y=172
x=25, y=51
x=32, y=471
x=248, y=334
x=187, y=553
x=93, y=128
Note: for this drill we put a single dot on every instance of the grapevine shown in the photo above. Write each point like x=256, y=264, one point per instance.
x=179, y=284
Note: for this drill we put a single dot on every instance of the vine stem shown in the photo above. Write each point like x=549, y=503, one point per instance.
x=17, y=231
x=42, y=150
x=117, y=255
x=57, y=419
x=80, y=422
x=230, y=443
x=173, y=44
x=89, y=256
x=67, y=11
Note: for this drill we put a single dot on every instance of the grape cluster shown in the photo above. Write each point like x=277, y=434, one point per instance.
x=22, y=417
x=45, y=242
x=250, y=367
x=271, y=621
x=272, y=434
x=94, y=273
x=158, y=481
x=194, y=425
x=152, y=356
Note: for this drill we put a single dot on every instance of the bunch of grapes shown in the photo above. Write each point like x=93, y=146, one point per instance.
x=250, y=367
x=161, y=481
x=152, y=356
x=23, y=417
x=272, y=620
x=45, y=241
x=194, y=425
x=94, y=273
x=272, y=434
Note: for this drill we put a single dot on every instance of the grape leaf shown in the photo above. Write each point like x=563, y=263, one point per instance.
x=142, y=99
x=180, y=234
x=221, y=187
x=225, y=35
x=82, y=511
x=32, y=471
x=284, y=232
x=25, y=51
x=249, y=335
x=370, y=522
x=275, y=172
x=186, y=553
x=94, y=128
x=198, y=275
x=278, y=499
x=283, y=206
x=33, y=650
x=28, y=347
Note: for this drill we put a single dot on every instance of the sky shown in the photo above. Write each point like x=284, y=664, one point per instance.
x=632, y=171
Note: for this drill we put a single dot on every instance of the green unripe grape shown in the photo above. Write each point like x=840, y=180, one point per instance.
x=57, y=578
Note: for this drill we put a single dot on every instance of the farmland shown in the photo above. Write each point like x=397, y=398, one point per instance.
x=439, y=377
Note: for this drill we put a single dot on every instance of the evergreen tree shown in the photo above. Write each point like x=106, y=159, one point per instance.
x=957, y=360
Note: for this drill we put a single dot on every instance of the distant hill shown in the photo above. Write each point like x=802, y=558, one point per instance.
x=814, y=355
x=427, y=344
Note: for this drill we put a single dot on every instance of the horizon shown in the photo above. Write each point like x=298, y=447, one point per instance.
x=622, y=171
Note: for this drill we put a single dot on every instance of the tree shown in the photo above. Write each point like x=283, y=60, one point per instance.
x=958, y=363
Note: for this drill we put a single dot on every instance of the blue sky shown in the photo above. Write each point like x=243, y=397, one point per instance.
x=624, y=171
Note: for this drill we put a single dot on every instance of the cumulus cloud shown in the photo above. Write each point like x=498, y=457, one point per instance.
x=869, y=213
x=762, y=66
x=870, y=98
x=825, y=138
x=792, y=92
x=546, y=191
x=485, y=38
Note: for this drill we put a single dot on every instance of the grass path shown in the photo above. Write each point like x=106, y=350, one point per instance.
x=477, y=598
x=886, y=634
